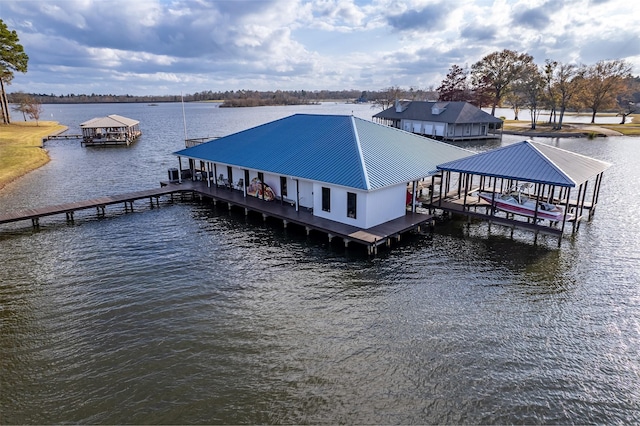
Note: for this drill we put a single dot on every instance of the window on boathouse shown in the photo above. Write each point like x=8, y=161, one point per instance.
x=351, y=205
x=230, y=174
x=326, y=199
x=283, y=186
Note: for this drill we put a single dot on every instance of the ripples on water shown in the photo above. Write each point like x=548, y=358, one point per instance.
x=193, y=314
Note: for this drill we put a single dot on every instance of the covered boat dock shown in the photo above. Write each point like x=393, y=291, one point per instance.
x=110, y=130
x=543, y=173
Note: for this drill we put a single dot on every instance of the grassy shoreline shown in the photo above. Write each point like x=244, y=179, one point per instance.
x=584, y=129
x=21, y=148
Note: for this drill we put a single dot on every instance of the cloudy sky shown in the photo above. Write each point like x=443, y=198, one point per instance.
x=166, y=47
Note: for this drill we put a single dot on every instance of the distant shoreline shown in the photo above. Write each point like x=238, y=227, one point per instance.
x=570, y=130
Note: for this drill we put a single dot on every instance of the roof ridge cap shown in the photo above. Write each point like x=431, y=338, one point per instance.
x=363, y=164
x=533, y=144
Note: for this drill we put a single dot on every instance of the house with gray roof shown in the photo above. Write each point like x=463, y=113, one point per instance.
x=340, y=167
x=450, y=121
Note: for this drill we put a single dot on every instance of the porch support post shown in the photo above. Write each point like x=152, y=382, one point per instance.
x=413, y=196
x=179, y=169
x=297, y=195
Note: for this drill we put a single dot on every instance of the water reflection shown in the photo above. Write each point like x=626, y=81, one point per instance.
x=194, y=314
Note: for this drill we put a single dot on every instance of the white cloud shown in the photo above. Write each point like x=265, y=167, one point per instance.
x=143, y=45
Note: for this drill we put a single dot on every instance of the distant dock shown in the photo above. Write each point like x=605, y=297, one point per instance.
x=60, y=137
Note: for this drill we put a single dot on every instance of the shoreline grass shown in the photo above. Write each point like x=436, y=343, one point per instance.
x=631, y=128
x=21, y=148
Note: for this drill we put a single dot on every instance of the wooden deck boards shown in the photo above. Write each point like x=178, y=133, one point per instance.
x=455, y=205
x=83, y=205
x=284, y=211
x=371, y=237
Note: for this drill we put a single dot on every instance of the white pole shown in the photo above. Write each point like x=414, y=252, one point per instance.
x=184, y=120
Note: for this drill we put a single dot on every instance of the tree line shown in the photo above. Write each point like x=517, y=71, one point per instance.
x=512, y=79
x=229, y=97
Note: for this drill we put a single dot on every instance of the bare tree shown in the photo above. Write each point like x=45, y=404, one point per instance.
x=551, y=96
x=20, y=101
x=499, y=70
x=387, y=97
x=602, y=83
x=566, y=84
x=629, y=100
x=33, y=108
x=531, y=91
x=515, y=99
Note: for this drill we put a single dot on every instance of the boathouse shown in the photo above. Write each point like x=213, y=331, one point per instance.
x=450, y=121
x=337, y=168
x=547, y=175
x=110, y=130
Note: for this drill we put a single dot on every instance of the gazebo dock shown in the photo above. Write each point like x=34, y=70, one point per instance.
x=110, y=130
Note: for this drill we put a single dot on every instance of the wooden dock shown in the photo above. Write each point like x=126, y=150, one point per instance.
x=60, y=137
x=98, y=203
x=371, y=238
x=468, y=206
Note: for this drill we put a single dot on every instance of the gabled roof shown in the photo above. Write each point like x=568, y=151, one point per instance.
x=531, y=162
x=336, y=149
x=112, y=120
x=454, y=112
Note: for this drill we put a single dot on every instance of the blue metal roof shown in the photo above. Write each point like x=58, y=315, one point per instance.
x=337, y=149
x=530, y=162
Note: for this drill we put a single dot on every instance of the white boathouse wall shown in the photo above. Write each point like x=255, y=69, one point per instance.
x=384, y=205
x=372, y=208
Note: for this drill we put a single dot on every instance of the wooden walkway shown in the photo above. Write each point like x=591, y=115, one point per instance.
x=371, y=238
x=451, y=203
x=60, y=137
x=98, y=203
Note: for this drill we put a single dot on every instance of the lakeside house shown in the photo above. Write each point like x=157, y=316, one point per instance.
x=110, y=130
x=338, y=167
x=449, y=121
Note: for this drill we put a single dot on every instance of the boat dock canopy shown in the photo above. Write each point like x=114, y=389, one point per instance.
x=531, y=162
x=110, y=130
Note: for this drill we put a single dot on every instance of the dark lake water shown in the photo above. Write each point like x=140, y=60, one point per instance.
x=191, y=314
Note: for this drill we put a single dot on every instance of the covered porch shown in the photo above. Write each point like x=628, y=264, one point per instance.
x=372, y=238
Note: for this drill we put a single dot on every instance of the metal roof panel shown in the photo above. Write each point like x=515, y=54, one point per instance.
x=112, y=120
x=342, y=150
x=531, y=162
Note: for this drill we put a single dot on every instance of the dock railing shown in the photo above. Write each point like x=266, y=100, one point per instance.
x=188, y=143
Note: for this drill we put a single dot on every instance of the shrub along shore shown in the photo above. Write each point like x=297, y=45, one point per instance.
x=21, y=148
